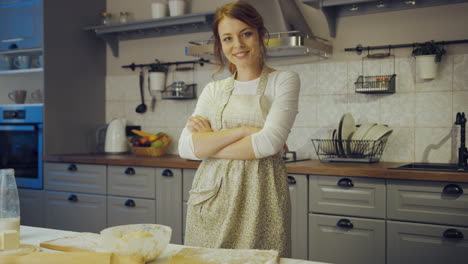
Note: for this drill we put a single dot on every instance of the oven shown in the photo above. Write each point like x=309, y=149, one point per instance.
x=21, y=143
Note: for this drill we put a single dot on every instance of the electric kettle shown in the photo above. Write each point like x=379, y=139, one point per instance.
x=116, y=139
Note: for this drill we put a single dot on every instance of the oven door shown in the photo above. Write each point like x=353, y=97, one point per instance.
x=21, y=150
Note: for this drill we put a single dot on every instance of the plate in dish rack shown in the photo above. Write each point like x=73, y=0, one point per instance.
x=346, y=128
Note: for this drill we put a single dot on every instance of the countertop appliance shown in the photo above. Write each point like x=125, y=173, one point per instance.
x=116, y=139
x=21, y=143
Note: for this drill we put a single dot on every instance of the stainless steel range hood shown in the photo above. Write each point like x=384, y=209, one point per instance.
x=290, y=35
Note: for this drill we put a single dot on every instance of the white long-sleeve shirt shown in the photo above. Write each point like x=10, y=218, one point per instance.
x=282, y=92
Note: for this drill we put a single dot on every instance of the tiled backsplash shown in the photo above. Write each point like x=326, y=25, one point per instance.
x=421, y=113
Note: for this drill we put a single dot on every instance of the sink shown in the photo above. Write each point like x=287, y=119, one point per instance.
x=432, y=167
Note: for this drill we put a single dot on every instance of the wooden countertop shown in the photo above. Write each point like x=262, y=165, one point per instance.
x=371, y=170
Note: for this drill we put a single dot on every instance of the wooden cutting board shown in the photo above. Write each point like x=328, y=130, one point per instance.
x=224, y=256
x=82, y=242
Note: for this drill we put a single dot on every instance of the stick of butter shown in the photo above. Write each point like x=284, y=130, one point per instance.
x=9, y=240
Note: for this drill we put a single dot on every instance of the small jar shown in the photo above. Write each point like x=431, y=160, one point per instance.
x=106, y=18
x=124, y=17
x=385, y=82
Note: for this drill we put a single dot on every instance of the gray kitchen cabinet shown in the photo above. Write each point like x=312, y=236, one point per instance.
x=31, y=206
x=82, y=178
x=298, y=193
x=413, y=243
x=188, y=176
x=354, y=196
x=75, y=211
x=169, y=201
x=131, y=181
x=429, y=202
x=125, y=211
x=349, y=240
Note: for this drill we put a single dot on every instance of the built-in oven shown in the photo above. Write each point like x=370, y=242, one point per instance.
x=21, y=143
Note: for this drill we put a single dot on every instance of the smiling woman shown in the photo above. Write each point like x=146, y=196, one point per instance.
x=240, y=195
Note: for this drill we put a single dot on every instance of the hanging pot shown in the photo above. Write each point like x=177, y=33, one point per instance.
x=426, y=67
x=157, y=81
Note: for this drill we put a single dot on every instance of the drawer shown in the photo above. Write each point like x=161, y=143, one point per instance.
x=125, y=211
x=75, y=211
x=83, y=178
x=411, y=243
x=353, y=196
x=131, y=181
x=189, y=175
x=424, y=201
x=342, y=239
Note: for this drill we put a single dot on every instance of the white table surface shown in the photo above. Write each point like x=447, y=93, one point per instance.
x=36, y=235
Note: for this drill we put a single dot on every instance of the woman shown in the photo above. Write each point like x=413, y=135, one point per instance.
x=240, y=196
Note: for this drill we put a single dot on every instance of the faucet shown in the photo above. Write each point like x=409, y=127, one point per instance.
x=462, y=151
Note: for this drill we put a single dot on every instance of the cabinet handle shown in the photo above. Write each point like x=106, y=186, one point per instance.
x=345, y=182
x=130, y=171
x=73, y=198
x=13, y=46
x=130, y=203
x=453, y=189
x=453, y=234
x=72, y=167
x=291, y=180
x=344, y=223
x=167, y=173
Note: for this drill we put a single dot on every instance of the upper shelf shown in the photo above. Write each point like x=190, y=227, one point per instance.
x=167, y=26
x=332, y=9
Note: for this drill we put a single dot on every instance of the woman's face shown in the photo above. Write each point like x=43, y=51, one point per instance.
x=240, y=43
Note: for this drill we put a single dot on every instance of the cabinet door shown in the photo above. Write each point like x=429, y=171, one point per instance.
x=83, y=178
x=75, y=211
x=131, y=181
x=125, y=211
x=411, y=243
x=21, y=24
x=32, y=207
x=362, y=197
x=430, y=202
x=349, y=240
x=298, y=194
x=169, y=201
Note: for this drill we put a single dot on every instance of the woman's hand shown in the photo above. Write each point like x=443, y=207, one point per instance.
x=278, y=155
x=198, y=124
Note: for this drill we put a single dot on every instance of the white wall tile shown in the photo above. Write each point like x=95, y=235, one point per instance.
x=332, y=78
x=364, y=107
x=433, y=109
x=308, y=76
x=405, y=75
x=460, y=73
x=398, y=110
x=307, y=116
x=460, y=103
x=330, y=108
x=400, y=146
x=434, y=145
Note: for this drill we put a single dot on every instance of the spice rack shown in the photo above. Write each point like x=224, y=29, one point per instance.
x=376, y=83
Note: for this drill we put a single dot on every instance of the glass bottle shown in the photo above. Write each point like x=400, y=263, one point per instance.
x=9, y=201
x=124, y=17
x=106, y=18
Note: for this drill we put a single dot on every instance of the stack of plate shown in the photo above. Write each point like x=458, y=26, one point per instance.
x=349, y=140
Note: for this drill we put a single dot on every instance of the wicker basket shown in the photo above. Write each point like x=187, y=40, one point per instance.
x=150, y=151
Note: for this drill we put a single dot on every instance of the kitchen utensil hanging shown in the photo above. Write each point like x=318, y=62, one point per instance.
x=141, y=109
x=178, y=90
x=376, y=83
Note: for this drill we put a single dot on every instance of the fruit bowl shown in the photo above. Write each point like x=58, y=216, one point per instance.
x=146, y=240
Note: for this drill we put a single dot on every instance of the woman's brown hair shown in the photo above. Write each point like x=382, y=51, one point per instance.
x=246, y=13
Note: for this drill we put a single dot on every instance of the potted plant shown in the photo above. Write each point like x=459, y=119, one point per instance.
x=428, y=56
x=157, y=76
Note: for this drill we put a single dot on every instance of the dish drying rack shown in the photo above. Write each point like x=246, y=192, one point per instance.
x=377, y=83
x=362, y=151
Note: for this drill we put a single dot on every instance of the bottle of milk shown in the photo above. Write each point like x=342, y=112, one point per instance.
x=9, y=201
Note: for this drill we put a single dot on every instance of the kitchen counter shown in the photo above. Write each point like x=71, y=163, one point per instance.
x=36, y=235
x=371, y=170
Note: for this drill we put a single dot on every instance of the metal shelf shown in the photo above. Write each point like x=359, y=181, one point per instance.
x=21, y=71
x=18, y=52
x=167, y=26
